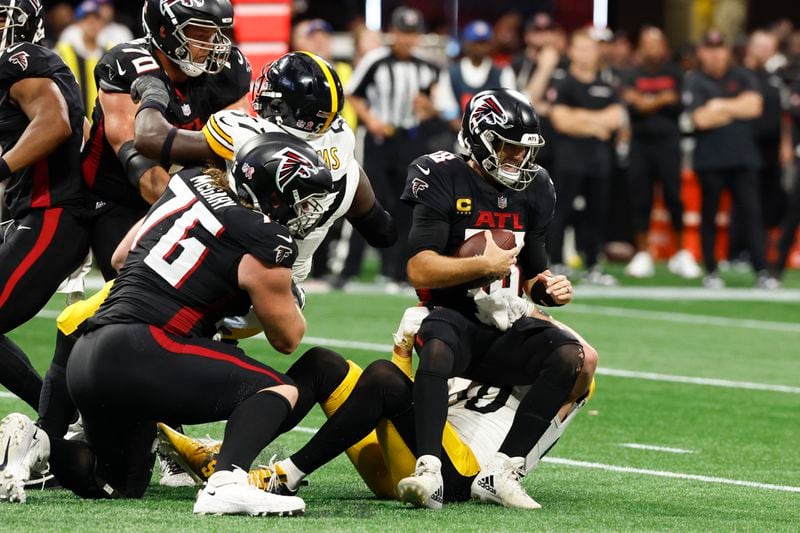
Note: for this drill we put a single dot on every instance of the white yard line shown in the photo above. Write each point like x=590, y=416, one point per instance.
x=653, y=448
x=682, y=318
x=673, y=475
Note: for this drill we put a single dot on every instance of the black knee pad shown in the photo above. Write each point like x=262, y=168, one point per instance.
x=565, y=364
x=444, y=324
x=318, y=361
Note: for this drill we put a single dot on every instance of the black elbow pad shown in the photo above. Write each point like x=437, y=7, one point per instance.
x=377, y=227
x=134, y=163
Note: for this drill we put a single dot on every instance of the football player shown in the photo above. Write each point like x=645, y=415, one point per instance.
x=41, y=131
x=206, y=249
x=371, y=417
x=497, y=185
x=300, y=93
x=186, y=48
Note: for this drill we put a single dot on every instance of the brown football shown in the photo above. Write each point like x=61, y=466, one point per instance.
x=476, y=244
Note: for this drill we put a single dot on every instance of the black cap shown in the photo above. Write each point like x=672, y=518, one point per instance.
x=408, y=20
x=713, y=38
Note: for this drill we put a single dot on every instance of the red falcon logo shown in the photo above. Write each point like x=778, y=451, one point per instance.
x=487, y=109
x=417, y=186
x=293, y=165
x=20, y=59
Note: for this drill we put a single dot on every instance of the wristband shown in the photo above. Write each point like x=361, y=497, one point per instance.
x=166, y=149
x=5, y=170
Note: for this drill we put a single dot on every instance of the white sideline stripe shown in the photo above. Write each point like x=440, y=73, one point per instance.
x=4, y=394
x=654, y=448
x=682, y=318
x=673, y=475
x=302, y=429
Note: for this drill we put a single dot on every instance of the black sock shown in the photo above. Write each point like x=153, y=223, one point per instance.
x=56, y=410
x=252, y=426
x=382, y=391
x=317, y=373
x=430, y=394
x=542, y=402
x=17, y=374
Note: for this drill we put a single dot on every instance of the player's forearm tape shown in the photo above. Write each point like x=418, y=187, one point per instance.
x=166, y=149
x=377, y=227
x=5, y=170
x=134, y=163
x=539, y=296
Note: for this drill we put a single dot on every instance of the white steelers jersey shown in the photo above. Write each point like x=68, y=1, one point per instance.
x=226, y=131
x=482, y=415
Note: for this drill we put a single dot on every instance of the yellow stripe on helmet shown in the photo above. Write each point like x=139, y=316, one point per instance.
x=328, y=76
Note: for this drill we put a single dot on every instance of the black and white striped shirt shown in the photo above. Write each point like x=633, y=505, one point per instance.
x=390, y=84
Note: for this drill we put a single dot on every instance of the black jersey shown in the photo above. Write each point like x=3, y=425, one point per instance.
x=191, y=105
x=54, y=181
x=182, y=273
x=444, y=183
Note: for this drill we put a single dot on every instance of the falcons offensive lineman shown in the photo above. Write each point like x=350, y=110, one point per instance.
x=208, y=248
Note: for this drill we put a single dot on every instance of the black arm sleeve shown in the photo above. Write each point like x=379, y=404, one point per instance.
x=430, y=230
x=377, y=227
x=533, y=258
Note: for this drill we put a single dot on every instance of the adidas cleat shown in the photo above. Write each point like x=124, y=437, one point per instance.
x=500, y=484
x=230, y=493
x=425, y=488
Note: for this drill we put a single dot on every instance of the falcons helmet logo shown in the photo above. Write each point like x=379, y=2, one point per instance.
x=293, y=165
x=487, y=109
x=166, y=5
x=20, y=59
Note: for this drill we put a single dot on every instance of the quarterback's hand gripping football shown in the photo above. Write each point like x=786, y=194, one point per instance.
x=151, y=92
x=558, y=287
x=498, y=261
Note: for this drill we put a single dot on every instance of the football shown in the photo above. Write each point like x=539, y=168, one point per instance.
x=476, y=244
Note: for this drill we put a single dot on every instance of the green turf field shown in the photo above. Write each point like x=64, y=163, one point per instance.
x=737, y=427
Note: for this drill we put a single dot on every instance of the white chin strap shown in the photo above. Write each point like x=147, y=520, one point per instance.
x=193, y=70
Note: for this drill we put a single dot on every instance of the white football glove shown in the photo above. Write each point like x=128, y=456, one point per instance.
x=409, y=325
x=501, y=308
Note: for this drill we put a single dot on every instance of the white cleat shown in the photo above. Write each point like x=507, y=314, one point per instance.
x=24, y=451
x=172, y=474
x=425, y=488
x=684, y=265
x=230, y=493
x=641, y=266
x=500, y=484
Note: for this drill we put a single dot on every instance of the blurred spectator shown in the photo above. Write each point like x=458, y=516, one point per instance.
x=620, y=53
x=111, y=33
x=792, y=220
x=57, y=18
x=587, y=113
x=316, y=36
x=391, y=91
x=722, y=101
x=473, y=73
x=652, y=92
x=770, y=134
x=507, y=30
x=80, y=50
x=365, y=41
x=540, y=33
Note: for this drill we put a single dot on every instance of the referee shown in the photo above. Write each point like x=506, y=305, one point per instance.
x=390, y=90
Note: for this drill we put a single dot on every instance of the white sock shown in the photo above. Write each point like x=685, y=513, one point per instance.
x=293, y=474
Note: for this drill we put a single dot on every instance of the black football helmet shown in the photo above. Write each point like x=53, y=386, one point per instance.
x=300, y=91
x=284, y=178
x=178, y=16
x=495, y=119
x=23, y=21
